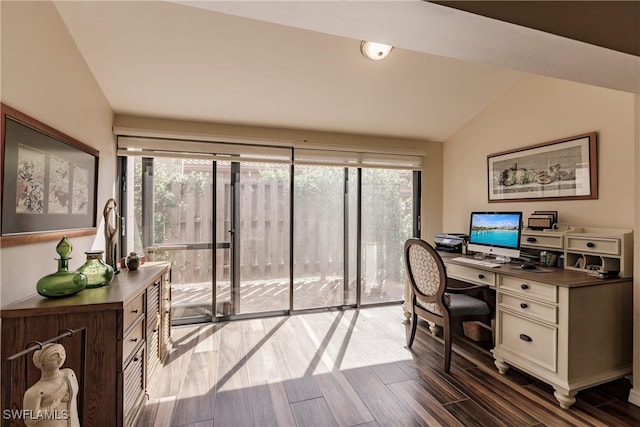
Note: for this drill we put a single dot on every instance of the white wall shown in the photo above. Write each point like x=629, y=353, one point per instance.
x=539, y=109
x=45, y=77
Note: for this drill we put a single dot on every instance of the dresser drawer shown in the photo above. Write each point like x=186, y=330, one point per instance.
x=598, y=245
x=132, y=340
x=471, y=275
x=529, y=308
x=132, y=311
x=528, y=340
x=543, y=240
x=529, y=289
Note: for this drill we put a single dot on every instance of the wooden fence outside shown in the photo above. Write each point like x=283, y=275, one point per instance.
x=265, y=228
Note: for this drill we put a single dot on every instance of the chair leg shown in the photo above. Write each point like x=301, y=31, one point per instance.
x=414, y=326
x=446, y=334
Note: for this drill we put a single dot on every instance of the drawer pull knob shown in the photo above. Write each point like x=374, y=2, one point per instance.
x=135, y=359
x=531, y=239
x=524, y=286
x=156, y=284
x=480, y=276
x=526, y=338
x=523, y=305
x=135, y=311
x=134, y=339
x=591, y=245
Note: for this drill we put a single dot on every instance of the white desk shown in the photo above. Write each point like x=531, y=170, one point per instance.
x=566, y=328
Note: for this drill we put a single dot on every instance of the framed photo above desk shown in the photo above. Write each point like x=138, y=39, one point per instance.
x=564, y=169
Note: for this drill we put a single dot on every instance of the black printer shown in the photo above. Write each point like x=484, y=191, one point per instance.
x=450, y=242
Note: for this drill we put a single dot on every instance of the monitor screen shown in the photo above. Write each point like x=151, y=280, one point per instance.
x=496, y=233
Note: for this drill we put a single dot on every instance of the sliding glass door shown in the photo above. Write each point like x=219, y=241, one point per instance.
x=387, y=222
x=321, y=238
x=254, y=238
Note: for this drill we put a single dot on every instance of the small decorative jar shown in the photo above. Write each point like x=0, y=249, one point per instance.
x=63, y=282
x=97, y=271
x=133, y=261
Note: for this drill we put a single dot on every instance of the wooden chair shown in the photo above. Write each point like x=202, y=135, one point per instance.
x=430, y=299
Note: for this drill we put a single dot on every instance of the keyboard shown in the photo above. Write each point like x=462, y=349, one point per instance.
x=476, y=262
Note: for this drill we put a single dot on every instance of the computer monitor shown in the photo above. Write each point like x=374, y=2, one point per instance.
x=495, y=233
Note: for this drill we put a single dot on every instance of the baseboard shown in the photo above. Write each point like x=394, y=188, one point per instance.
x=634, y=396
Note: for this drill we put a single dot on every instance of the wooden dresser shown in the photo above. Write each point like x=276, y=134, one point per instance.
x=128, y=331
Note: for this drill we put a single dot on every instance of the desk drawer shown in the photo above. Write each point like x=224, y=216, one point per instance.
x=531, y=341
x=132, y=311
x=471, y=275
x=529, y=288
x=593, y=244
x=529, y=308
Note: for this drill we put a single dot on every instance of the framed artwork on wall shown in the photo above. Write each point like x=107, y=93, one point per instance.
x=564, y=169
x=49, y=182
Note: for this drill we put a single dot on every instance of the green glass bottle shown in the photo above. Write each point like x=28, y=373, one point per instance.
x=97, y=271
x=63, y=282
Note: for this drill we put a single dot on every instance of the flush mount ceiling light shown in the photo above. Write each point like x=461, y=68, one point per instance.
x=375, y=51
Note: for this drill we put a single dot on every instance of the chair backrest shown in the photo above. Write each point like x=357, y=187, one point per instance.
x=427, y=275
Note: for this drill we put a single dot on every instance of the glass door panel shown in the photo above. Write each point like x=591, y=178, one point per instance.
x=175, y=196
x=319, y=229
x=387, y=222
x=264, y=235
x=252, y=237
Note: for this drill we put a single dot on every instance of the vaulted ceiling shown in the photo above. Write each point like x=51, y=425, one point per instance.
x=297, y=64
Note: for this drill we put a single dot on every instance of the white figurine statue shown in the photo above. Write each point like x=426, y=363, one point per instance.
x=52, y=401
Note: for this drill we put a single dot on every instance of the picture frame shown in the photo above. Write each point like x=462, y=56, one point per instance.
x=48, y=182
x=564, y=169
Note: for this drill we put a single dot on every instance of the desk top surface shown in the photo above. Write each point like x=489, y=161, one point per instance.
x=551, y=275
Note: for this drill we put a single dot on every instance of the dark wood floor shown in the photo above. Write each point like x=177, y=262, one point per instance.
x=350, y=368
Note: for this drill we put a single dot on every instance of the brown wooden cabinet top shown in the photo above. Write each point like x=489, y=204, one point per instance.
x=125, y=285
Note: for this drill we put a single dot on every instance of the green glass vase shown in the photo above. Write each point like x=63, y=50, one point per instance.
x=63, y=282
x=97, y=271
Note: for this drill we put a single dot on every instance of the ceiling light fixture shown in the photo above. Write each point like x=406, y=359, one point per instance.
x=375, y=51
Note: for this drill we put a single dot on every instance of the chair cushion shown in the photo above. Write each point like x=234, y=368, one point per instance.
x=465, y=305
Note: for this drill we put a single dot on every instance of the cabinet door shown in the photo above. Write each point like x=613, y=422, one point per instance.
x=153, y=326
x=165, y=315
x=133, y=388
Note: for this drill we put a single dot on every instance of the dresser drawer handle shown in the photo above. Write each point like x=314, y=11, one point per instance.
x=135, y=311
x=480, y=276
x=135, y=359
x=134, y=339
x=526, y=338
x=531, y=239
x=524, y=286
x=523, y=305
x=591, y=245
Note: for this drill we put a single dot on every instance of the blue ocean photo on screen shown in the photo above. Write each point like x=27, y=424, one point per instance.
x=495, y=229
